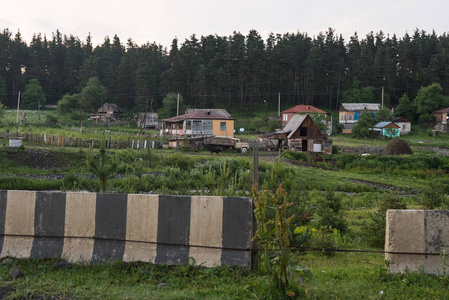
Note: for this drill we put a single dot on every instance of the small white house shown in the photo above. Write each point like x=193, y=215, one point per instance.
x=404, y=124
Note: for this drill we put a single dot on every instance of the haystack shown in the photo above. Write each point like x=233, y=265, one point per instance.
x=397, y=147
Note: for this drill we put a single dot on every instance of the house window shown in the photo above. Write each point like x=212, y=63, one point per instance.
x=285, y=117
x=303, y=131
x=350, y=117
x=207, y=126
x=222, y=126
x=197, y=126
x=189, y=125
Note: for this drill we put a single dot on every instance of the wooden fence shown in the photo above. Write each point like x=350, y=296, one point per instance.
x=54, y=140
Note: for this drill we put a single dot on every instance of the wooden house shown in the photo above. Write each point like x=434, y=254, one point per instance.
x=306, y=109
x=107, y=112
x=148, y=120
x=300, y=134
x=349, y=114
x=404, y=124
x=196, y=124
x=441, y=117
x=388, y=129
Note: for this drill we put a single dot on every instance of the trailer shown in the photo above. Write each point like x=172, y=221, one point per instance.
x=221, y=143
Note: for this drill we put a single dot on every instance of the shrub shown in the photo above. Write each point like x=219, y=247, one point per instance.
x=301, y=156
x=374, y=229
x=434, y=195
x=51, y=119
x=328, y=214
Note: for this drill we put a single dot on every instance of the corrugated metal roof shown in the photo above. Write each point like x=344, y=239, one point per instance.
x=291, y=127
x=304, y=108
x=400, y=119
x=442, y=111
x=384, y=124
x=199, y=115
x=360, y=106
x=220, y=111
x=107, y=107
x=381, y=124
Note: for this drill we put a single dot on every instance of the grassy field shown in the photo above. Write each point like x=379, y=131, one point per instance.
x=342, y=276
x=360, y=186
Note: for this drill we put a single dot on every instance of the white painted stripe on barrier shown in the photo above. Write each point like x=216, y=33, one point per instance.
x=141, y=225
x=79, y=227
x=206, y=229
x=20, y=212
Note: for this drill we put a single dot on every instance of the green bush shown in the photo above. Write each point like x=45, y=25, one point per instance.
x=434, y=196
x=20, y=183
x=328, y=214
x=413, y=162
x=374, y=229
x=301, y=156
x=51, y=119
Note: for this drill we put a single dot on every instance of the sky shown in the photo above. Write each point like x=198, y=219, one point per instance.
x=160, y=21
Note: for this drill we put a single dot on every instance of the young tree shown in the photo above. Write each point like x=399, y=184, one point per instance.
x=405, y=108
x=384, y=114
x=170, y=103
x=2, y=111
x=33, y=96
x=363, y=125
x=428, y=100
x=69, y=103
x=93, y=95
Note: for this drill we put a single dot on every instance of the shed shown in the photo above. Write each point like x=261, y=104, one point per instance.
x=300, y=134
x=388, y=129
x=148, y=120
x=441, y=116
x=107, y=111
x=404, y=124
x=307, y=109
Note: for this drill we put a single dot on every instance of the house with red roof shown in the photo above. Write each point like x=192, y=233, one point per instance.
x=197, y=124
x=305, y=109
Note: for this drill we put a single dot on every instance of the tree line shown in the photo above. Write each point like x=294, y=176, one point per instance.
x=237, y=72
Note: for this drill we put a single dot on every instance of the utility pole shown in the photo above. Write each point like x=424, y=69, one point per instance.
x=279, y=104
x=382, y=96
x=265, y=102
x=177, y=107
x=39, y=111
x=18, y=105
x=81, y=122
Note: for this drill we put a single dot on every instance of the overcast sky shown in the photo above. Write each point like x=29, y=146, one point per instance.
x=162, y=20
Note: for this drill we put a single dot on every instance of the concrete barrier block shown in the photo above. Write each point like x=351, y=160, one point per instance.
x=93, y=228
x=418, y=237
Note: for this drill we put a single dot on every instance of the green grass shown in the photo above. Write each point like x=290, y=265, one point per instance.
x=341, y=276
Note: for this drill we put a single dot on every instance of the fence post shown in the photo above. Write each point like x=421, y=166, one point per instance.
x=255, y=166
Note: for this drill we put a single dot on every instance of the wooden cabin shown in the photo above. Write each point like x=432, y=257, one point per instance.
x=147, y=120
x=441, y=117
x=300, y=134
x=307, y=109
